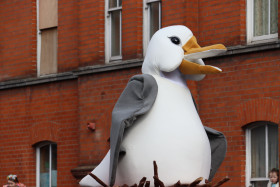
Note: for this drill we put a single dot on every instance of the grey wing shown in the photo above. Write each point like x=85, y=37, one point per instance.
x=136, y=99
x=218, y=145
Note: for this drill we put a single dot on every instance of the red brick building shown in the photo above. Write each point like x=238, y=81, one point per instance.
x=64, y=63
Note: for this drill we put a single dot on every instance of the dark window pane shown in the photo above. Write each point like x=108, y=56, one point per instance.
x=272, y=146
x=273, y=16
x=154, y=17
x=260, y=17
x=115, y=33
x=54, y=165
x=113, y=3
x=259, y=183
x=120, y=2
x=258, y=152
x=44, y=166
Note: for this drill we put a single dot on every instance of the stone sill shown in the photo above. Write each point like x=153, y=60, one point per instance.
x=118, y=65
x=241, y=49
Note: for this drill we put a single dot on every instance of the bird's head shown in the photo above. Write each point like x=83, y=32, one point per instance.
x=175, y=48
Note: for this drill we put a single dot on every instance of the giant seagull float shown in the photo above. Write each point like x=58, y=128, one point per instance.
x=155, y=117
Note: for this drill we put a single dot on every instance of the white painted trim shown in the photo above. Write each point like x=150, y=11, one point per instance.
x=250, y=26
x=146, y=22
x=38, y=40
x=264, y=38
x=114, y=9
x=50, y=166
x=151, y=1
x=145, y=26
x=38, y=162
x=107, y=32
x=37, y=166
x=113, y=58
x=266, y=150
x=108, y=57
x=260, y=179
x=248, y=157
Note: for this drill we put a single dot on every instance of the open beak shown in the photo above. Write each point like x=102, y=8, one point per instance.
x=193, y=51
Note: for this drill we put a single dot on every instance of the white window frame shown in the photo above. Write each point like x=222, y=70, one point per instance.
x=248, y=154
x=39, y=39
x=250, y=26
x=108, y=56
x=38, y=162
x=146, y=22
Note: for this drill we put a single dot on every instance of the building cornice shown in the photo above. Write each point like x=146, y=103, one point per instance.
x=240, y=49
x=119, y=65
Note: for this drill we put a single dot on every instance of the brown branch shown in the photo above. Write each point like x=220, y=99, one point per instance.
x=147, y=184
x=221, y=182
x=142, y=182
x=159, y=183
x=156, y=174
x=98, y=180
x=197, y=181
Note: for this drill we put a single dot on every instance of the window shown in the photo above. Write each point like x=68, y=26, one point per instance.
x=114, y=30
x=46, y=165
x=262, y=20
x=262, y=152
x=152, y=20
x=46, y=37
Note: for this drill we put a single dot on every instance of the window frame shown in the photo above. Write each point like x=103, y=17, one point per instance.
x=108, y=29
x=248, y=151
x=251, y=39
x=38, y=161
x=39, y=42
x=146, y=22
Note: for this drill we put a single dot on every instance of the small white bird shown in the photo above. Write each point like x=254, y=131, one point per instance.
x=155, y=118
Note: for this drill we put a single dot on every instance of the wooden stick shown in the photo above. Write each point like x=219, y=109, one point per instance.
x=142, y=182
x=159, y=182
x=98, y=180
x=197, y=181
x=155, y=174
x=178, y=184
x=221, y=182
x=147, y=184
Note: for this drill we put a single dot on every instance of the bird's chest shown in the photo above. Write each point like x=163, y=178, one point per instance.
x=172, y=120
x=170, y=133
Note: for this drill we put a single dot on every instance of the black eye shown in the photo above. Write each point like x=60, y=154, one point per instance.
x=175, y=40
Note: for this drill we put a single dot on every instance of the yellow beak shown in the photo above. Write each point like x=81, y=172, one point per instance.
x=193, y=51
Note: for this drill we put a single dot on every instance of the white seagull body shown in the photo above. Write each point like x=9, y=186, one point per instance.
x=171, y=132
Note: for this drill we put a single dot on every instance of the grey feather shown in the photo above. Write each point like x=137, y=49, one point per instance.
x=137, y=98
x=218, y=144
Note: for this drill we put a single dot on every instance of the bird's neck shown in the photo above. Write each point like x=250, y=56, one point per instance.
x=175, y=76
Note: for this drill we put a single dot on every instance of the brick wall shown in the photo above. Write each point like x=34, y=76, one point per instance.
x=59, y=111
x=17, y=39
x=68, y=40
x=222, y=21
x=246, y=91
x=81, y=31
x=91, y=32
x=33, y=114
x=97, y=97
